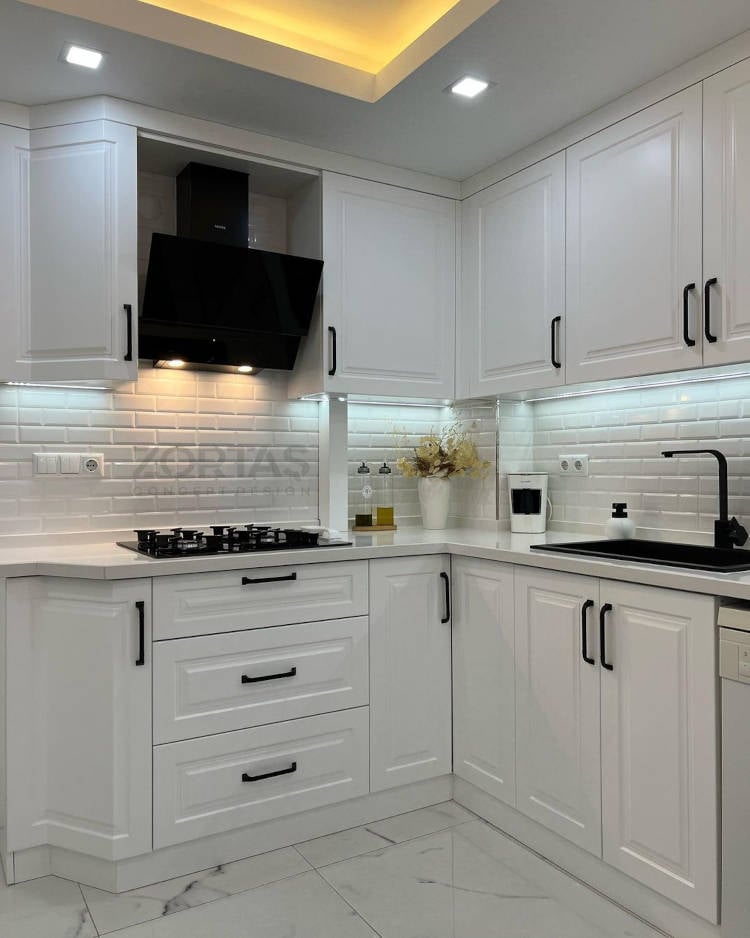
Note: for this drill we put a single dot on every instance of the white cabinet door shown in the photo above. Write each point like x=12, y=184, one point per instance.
x=79, y=715
x=513, y=283
x=659, y=741
x=14, y=183
x=726, y=197
x=80, y=319
x=484, y=732
x=389, y=285
x=410, y=671
x=557, y=701
x=634, y=243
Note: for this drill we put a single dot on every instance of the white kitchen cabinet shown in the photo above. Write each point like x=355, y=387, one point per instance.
x=410, y=670
x=557, y=701
x=14, y=144
x=659, y=741
x=79, y=715
x=389, y=282
x=484, y=732
x=633, y=244
x=726, y=232
x=511, y=335
x=78, y=317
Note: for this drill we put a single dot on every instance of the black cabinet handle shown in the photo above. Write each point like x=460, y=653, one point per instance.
x=707, y=308
x=129, y=332
x=446, y=581
x=607, y=607
x=332, y=333
x=247, y=581
x=259, y=778
x=584, y=647
x=141, y=659
x=686, y=315
x=556, y=363
x=268, y=677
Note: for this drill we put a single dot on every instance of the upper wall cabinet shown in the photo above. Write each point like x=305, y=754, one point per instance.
x=14, y=144
x=726, y=198
x=78, y=313
x=634, y=244
x=513, y=283
x=388, y=321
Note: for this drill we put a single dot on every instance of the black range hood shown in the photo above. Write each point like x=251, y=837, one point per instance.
x=212, y=301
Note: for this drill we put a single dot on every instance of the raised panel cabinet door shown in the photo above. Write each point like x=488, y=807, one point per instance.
x=14, y=150
x=726, y=220
x=511, y=318
x=389, y=284
x=659, y=741
x=557, y=704
x=79, y=705
x=484, y=731
x=633, y=244
x=81, y=317
x=410, y=671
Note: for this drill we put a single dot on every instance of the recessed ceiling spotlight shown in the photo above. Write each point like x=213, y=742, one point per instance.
x=79, y=55
x=468, y=87
x=244, y=369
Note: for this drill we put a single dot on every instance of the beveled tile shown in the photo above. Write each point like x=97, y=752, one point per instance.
x=341, y=846
x=303, y=906
x=405, y=827
x=44, y=908
x=114, y=911
x=452, y=884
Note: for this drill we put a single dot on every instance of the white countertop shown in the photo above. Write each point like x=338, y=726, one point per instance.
x=104, y=560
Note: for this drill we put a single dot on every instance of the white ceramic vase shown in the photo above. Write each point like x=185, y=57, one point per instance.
x=434, y=500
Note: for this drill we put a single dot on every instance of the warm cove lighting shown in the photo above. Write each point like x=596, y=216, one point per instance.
x=469, y=87
x=79, y=55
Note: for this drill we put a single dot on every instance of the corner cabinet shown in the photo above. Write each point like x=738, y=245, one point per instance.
x=634, y=244
x=513, y=283
x=410, y=670
x=79, y=715
x=388, y=308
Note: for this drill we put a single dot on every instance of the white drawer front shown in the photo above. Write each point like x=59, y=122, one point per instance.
x=206, y=603
x=232, y=681
x=199, y=788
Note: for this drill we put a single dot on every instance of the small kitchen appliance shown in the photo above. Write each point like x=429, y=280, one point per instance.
x=224, y=539
x=527, y=492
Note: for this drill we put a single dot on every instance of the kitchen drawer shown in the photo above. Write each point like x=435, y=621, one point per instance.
x=206, y=603
x=232, y=681
x=199, y=788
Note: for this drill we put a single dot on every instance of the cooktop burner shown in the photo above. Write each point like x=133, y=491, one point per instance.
x=223, y=539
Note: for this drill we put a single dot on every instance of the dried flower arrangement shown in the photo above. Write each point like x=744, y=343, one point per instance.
x=443, y=453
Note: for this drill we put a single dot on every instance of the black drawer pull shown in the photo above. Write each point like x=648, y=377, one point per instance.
x=268, y=677
x=247, y=581
x=554, y=357
x=607, y=607
x=707, y=309
x=128, y=357
x=332, y=333
x=584, y=645
x=141, y=659
x=686, y=315
x=260, y=778
x=447, y=583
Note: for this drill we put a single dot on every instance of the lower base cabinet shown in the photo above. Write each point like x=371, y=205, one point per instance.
x=410, y=670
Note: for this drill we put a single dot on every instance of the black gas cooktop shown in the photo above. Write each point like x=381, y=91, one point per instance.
x=223, y=539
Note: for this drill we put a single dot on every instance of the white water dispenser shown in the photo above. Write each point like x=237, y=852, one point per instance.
x=528, y=502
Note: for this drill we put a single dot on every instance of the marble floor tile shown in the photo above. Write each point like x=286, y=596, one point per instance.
x=453, y=885
x=111, y=912
x=44, y=908
x=341, y=846
x=301, y=907
x=405, y=827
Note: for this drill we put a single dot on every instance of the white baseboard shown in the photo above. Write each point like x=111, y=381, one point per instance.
x=121, y=875
x=611, y=883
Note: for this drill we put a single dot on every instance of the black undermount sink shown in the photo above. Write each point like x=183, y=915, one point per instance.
x=690, y=556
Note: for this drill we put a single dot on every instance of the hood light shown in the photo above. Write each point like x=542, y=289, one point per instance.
x=245, y=369
x=78, y=55
x=170, y=363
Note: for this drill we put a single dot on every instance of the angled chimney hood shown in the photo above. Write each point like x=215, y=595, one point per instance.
x=211, y=301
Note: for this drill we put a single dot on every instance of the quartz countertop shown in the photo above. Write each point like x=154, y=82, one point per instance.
x=103, y=559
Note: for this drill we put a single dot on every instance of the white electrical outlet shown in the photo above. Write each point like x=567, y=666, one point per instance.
x=69, y=464
x=574, y=465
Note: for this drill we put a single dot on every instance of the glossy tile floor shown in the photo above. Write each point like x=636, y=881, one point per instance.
x=434, y=873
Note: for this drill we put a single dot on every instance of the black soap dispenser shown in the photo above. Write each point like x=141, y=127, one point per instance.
x=619, y=527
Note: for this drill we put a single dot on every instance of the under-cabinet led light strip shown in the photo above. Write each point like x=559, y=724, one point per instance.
x=64, y=387
x=672, y=382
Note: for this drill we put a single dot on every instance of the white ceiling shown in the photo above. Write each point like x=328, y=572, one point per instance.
x=552, y=60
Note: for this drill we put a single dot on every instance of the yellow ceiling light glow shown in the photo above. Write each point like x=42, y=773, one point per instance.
x=359, y=48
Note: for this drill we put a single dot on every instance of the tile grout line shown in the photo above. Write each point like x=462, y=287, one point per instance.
x=88, y=909
x=344, y=899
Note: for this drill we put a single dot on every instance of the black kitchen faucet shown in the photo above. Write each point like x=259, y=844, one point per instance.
x=727, y=532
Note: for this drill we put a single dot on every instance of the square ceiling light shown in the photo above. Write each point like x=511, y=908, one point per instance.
x=468, y=86
x=80, y=55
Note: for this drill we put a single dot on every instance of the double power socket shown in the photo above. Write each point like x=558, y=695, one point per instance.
x=573, y=465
